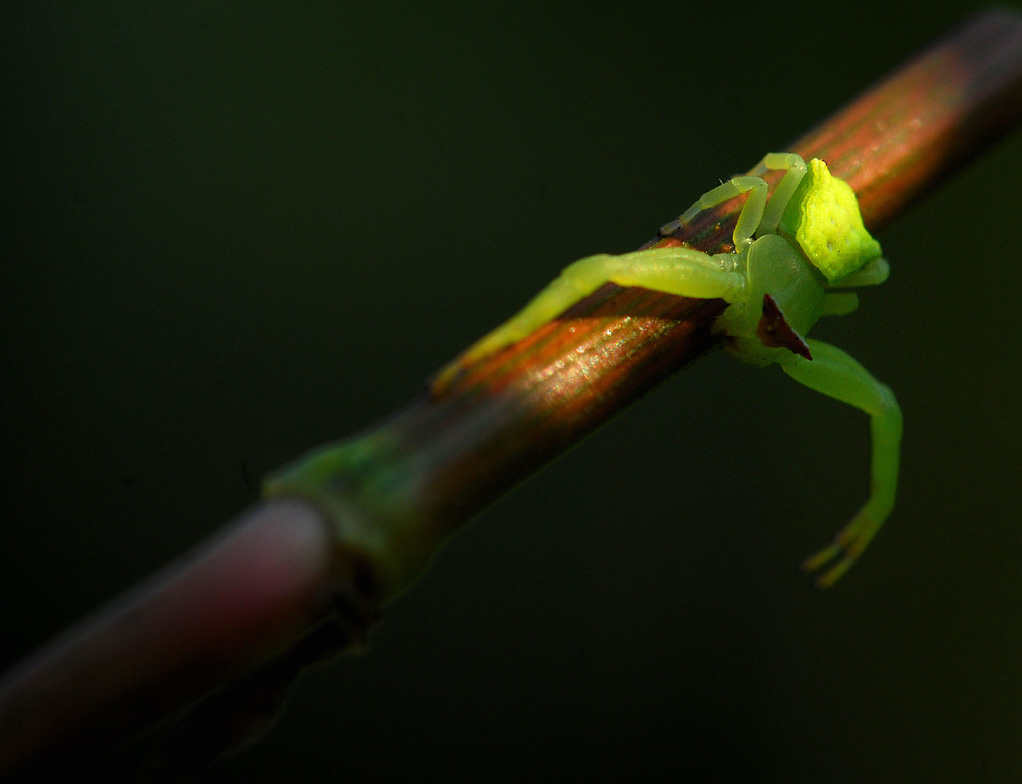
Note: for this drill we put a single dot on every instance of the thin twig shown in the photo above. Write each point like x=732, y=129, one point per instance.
x=396, y=493
x=400, y=490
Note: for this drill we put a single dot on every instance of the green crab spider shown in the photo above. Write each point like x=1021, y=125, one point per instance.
x=794, y=254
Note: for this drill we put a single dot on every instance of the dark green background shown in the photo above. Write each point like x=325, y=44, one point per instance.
x=233, y=231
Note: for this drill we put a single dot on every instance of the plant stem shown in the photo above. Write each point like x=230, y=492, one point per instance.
x=396, y=493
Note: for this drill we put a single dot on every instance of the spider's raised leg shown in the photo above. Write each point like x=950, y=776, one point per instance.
x=748, y=219
x=795, y=170
x=758, y=216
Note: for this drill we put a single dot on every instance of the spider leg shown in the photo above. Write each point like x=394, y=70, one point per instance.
x=758, y=215
x=794, y=170
x=673, y=270
x=834, y=373
x=748, y=219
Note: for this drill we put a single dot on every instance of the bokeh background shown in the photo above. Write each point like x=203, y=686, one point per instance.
x=233, y=231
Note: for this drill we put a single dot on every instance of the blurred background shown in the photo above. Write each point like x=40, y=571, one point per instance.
x=232, y=232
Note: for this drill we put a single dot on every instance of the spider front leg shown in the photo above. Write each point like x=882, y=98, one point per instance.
x=748, y=219
x=758, y=216
x=795, y=169
x=837, y=375
x=673, y=270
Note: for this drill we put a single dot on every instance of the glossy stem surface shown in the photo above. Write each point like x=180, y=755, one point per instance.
x=397, y=492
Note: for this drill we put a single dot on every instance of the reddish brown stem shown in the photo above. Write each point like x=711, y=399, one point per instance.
x=479, y=431
x=426, y=471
